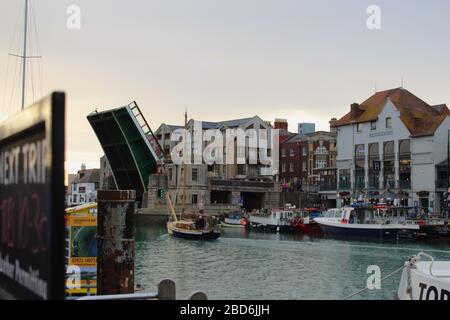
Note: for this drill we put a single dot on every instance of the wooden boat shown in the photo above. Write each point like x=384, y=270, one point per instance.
x=193, y=227
x=202, y=228
x=365, y=222
x=425, y=280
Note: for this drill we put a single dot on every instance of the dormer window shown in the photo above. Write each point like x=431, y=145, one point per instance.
x=373, y=125
x=389, y=123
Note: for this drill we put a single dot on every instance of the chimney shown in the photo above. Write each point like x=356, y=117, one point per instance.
x=281, y=124
x=333, y=123
x=83, y=167
x=354, y=110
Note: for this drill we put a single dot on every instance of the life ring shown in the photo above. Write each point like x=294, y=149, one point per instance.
x=295, y=222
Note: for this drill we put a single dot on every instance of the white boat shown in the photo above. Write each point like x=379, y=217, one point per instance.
x=276, y=219
x=425, y=280
x=232, y=223
x=365, y=222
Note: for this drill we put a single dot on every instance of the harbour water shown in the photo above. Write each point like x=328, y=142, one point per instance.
x=253, y=265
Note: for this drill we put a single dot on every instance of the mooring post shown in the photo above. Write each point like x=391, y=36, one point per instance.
x=116, y=242
x=166, y=290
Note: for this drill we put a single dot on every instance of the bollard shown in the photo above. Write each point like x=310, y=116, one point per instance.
x=198, y=296
x=166, y=290
x=116, y=243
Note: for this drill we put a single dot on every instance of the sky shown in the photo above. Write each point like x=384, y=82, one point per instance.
x=305, y=61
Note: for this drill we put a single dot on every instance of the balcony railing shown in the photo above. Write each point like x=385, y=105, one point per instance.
x=239, y=183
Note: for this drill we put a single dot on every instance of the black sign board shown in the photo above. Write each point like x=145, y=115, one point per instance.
x=32, y=201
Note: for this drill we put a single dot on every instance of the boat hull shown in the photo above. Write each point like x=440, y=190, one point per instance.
x=231, y=225
x=424, y=286
x=212, y=235
x=367, y=231
x=435, y=232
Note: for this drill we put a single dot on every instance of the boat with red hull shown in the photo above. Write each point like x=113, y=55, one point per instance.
x=305, y=223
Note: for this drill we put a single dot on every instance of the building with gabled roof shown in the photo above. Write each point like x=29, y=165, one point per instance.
x=391, y=144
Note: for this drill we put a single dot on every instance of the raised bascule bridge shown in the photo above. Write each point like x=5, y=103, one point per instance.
x=131, y=148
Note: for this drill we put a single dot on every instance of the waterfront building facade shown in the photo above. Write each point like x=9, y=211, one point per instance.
x=217, y=187
x=390, y=147
x=83, y=189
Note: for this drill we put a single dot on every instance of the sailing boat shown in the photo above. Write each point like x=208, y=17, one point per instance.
x=194, y=227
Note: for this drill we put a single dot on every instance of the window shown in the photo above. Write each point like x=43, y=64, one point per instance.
x=82, y=190
x=194, y=174
x=74, y=198
x=291, y=152
x=305, y=167
x=74, y=187
x=305, y=151
x=373, y=125
x=283, y=167
x=320, y=164
x=291, y=167
x=194, y=198
x=389, y=123
x=283, y=152
x=359, y=127
x=321, y=150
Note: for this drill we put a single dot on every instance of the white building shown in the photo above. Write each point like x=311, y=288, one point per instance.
x=390, y=146
x=83, y=188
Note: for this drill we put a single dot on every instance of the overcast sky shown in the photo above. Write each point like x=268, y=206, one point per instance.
x=306, y=61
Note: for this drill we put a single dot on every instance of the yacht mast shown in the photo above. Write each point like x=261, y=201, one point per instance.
x=185, y=153
x=24, y=56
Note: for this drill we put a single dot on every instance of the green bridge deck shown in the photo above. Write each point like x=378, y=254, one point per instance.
x=129, y=144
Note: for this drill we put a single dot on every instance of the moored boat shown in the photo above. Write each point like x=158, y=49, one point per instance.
x=273, y=220
x=304, y=221
x=425, y=280
x=365, y=222
x=233, y=221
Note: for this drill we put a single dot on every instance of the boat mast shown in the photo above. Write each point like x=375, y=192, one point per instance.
x=184, y=163
x=24, y=56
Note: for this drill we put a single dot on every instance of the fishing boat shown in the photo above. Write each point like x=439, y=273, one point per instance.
x=365, y=222
x=273, y=220
x=424, y=280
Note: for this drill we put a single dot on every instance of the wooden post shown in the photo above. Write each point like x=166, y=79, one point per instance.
x=116, y=243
